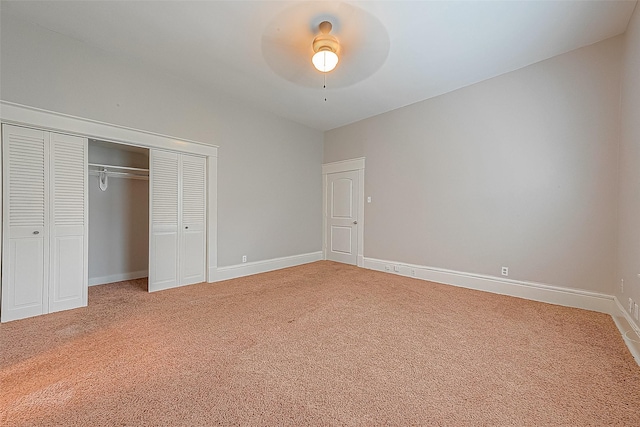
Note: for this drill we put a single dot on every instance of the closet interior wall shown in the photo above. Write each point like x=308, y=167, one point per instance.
x=118, y=216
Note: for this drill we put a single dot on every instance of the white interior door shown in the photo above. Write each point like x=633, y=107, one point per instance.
x=342, y=217
x=163, y=233
x=25, y=204
x=69, y=231
x=193, y=230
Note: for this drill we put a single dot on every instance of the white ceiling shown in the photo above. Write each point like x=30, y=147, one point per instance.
x=395, y=53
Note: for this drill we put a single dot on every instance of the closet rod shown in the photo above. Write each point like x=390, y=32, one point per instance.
x=121, y=175
x=118, y=167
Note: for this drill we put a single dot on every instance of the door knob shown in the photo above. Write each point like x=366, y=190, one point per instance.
x=355, y=222
x=186, y=228
x=36, y=232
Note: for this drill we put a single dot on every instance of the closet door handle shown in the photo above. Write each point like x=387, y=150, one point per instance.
x=186, y=228
x=36, y=232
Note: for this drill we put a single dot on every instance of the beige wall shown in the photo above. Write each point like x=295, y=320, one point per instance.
x=269, y=169
x=118, y=228
x=629, y=207
x=517, y=171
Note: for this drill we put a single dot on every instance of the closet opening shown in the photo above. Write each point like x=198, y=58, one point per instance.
x=118, y=214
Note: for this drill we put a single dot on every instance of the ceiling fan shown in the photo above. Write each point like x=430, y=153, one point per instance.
x=354, y=40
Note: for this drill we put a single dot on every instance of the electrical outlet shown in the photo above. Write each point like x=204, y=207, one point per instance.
x=369, y=199
x=635, y=311
x=413, y=272
x=387, y=268
x=396, y=268
x=622, y=286
x=630, y=306
x=244, y=258
x=505, y=271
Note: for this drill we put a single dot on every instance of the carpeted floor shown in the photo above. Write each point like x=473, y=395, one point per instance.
x=319, y=344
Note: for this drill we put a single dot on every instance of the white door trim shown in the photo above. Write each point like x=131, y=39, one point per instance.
x=344, y=166
x=37, y=118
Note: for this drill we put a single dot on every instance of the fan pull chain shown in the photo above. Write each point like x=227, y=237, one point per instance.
x=324, y=86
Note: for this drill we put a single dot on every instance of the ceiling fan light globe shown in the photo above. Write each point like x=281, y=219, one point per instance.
x=325, y=60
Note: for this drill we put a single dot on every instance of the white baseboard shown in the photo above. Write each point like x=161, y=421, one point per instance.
x=629, y=330
x=118, y=277
x=567, y=297
x=212, y=274
x=249, y=268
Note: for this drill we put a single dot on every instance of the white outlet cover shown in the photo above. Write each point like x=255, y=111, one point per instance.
x=396, y=268
x=630, y=305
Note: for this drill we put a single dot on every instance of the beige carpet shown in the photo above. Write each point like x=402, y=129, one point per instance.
x=320, y=344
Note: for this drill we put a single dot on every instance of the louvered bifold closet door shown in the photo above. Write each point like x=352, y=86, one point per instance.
x=193, y=230
x=25, y=216
x=68, y=223
x=163, y=196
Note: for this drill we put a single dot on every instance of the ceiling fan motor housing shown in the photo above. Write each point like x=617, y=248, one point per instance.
x=325, y=41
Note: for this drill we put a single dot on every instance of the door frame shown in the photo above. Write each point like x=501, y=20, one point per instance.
x=344, y=166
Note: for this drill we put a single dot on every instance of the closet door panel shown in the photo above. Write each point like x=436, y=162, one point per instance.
x=68, y=278
x=193, y=219
x=193, y=255
x=163, y=198
x=68, y=187
x=26, y=281
x=165, y=248
x=25, y=208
